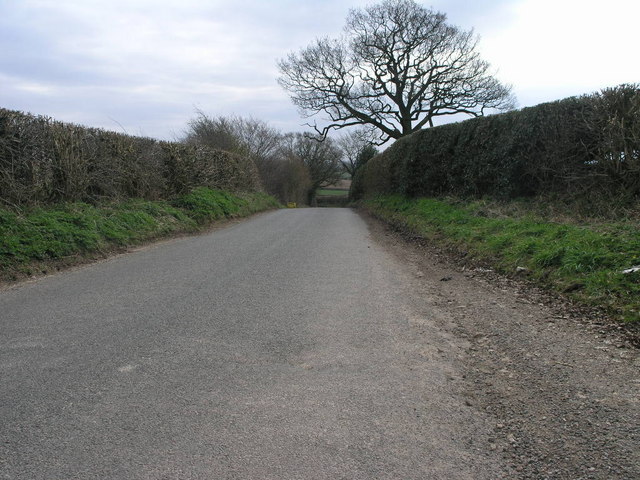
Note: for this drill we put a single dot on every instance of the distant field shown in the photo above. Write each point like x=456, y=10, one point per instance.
x=332, y=192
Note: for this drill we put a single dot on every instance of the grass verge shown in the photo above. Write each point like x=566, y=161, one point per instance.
x=583, y=261
x=42, y=239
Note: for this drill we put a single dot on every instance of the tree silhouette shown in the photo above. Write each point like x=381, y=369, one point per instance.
x=398, y=66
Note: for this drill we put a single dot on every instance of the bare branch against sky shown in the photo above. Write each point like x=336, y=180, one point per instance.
x=148, y=65
x=397, y=69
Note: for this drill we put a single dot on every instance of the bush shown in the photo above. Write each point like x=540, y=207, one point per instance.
x=286, y=178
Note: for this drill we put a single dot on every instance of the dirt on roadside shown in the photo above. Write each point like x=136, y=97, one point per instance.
x=562, y=384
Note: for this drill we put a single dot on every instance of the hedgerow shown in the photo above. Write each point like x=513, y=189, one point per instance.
x=576, y=147
x=43, y=161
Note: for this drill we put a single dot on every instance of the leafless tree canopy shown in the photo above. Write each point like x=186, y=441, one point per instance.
x=357, y=148
x=213, y=132
x=246, y=136
x=398, y=67
x=285, y=162
x=322, y=158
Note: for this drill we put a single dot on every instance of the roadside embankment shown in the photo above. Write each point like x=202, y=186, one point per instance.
x=38, y=240
x=586, y=262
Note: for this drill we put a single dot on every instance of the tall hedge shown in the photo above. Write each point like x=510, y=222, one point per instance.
x=587, y=145
x=47, y=161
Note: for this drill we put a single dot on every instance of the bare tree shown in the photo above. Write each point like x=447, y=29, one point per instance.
x=259, y=141
x=246, y=136
x=322, y=159
x=214, y=132
x=398, y=67
x=287, y=178
x=291, y=166
x=357, y=149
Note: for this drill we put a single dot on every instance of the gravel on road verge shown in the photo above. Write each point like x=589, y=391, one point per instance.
x=563, y=389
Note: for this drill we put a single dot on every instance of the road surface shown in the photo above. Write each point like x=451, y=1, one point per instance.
x=308, y=344
x=287, y=346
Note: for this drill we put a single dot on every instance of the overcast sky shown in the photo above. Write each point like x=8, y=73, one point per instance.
x=144, y=66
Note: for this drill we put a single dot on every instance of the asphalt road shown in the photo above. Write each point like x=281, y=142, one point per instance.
x=286, y=346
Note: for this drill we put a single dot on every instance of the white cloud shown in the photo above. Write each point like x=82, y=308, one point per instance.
x=555, y=48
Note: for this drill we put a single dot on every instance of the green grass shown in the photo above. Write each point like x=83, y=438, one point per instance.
x=332, y=192
x=32, y=239
x=586, y=260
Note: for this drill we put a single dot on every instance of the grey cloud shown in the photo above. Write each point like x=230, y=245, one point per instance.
x=135, y=61
x=147, y=64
